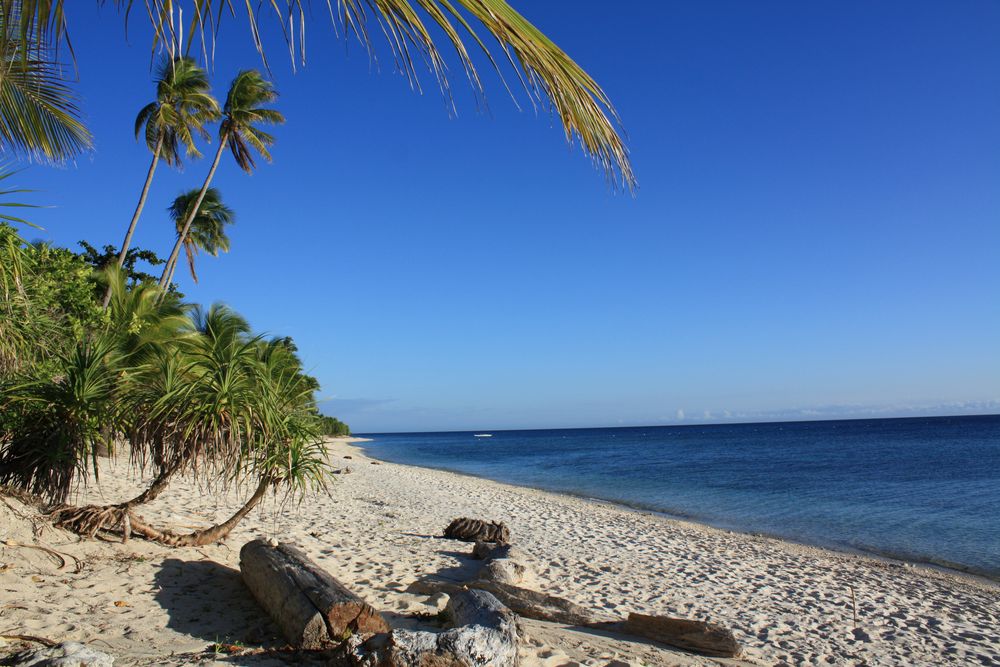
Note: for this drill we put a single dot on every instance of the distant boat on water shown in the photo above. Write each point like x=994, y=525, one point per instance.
x=482, y=435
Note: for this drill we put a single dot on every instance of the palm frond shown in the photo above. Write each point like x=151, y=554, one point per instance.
x=39, y=112
x=546, y=72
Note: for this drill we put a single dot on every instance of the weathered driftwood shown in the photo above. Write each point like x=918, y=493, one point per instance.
x=523, y=602
x=485, y=635
x=532, y=604
x=313, y=609
x=696, y=636
x=477, y=530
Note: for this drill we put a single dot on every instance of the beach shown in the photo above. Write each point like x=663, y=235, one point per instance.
x=377, y=531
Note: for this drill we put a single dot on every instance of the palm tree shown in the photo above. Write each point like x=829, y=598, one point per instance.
x=39, y=116
x=241, y=114
x=208, y=228
x=549, y=76
x=182, y=106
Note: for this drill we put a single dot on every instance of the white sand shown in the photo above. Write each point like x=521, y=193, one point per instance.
x=375, y=532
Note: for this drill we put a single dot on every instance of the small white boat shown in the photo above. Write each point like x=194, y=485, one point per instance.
x=482, y=435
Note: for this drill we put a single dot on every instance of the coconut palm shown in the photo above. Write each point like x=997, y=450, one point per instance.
x=240, y=131
x=208, y=227
x=549, y=76
x=39, y=116
x=169, y=123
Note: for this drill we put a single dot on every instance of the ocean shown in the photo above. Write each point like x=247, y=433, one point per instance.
x=923, y=490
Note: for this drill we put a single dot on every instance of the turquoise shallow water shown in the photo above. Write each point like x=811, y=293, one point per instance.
x=925, y=489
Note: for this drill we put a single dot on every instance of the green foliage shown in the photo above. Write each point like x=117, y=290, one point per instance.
x=108, y=257
x=39, y=116
x=332, y=426
x=46, y=300
x=183, y=105
x=208, y=224
x=242, y=115
x=57, y=423
x=413, y=30
x=181, y=388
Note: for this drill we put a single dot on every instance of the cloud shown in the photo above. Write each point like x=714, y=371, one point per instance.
x=680, y=415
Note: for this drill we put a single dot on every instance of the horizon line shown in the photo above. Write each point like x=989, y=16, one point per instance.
x=682, y=424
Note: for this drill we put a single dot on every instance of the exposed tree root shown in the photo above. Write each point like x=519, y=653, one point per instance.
x=91, y=519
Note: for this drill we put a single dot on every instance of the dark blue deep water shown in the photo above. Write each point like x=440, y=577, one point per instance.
x=924, y=490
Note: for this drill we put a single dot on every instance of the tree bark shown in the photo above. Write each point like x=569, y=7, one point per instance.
x=172, y=260
x=313, y=609
x=138, y=211
x=696, y=636
x=156, y=488
x=209, y=535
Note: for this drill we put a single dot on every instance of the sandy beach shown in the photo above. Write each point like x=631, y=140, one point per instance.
x=377, y=529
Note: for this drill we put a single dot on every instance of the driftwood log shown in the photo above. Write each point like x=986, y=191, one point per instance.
x=312, y=609
x=477, y=530
x=696, y=636
x=523, y=602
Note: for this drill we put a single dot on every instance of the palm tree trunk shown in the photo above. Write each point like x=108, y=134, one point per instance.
x=190, y=257
x=138, y=211
x=200, y=538
x=172, y=260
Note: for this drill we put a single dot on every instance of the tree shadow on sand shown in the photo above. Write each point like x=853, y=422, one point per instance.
x=209, y=601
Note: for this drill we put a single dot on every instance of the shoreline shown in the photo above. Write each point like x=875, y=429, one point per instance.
x=377, y=530
x=973, y=574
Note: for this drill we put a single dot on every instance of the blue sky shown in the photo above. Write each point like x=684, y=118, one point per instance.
x=815, y=233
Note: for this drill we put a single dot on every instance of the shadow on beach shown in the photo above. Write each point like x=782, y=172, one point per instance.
x=209, y=601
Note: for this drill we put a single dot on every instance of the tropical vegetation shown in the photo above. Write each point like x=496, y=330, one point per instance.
x=99, y=358
x=332, y=426
x=182, y=106
x=205, y=220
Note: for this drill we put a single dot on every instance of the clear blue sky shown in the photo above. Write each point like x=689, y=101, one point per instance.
x=816, y=231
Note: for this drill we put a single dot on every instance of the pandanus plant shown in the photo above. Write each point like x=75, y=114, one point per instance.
x=218, y=403
x=72, y=407
x=261, y=436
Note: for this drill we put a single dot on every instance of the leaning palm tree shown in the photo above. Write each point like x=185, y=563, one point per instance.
x=39, y=116
x=240, y=131
x=183, y=105
x=208, y=227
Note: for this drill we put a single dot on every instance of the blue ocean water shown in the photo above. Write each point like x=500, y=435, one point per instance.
x=922, y=489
